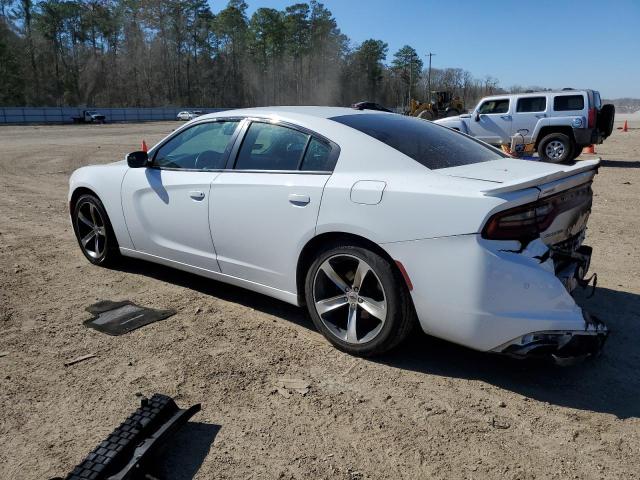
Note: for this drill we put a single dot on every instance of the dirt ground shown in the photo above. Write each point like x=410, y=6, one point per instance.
x=429, y=410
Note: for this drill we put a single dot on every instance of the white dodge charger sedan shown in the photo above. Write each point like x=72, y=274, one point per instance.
x=375, y=221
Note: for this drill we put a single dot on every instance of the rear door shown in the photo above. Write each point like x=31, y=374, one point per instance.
x=493, y=124
x=265, y=208
x=529, y=112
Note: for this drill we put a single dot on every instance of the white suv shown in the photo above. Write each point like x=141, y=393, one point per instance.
x=558, y=124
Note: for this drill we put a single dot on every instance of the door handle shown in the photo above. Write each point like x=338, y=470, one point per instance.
x=541, y=115
x=505, y=117
x=299, y=199
x=196, y=194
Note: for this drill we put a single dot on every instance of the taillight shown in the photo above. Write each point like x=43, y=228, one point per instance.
x=520, y=223
x=592, y=117
x=527, y=221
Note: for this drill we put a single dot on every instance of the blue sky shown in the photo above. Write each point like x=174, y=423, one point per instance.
x=563, y=43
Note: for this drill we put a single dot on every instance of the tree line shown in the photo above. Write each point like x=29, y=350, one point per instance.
x=142, y=53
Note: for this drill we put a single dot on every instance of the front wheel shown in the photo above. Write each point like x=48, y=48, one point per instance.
x=93, y=231
x=556, y=148
x=358, y=301
x=426, y=115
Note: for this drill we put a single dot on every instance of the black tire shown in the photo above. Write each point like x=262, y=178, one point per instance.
x=556, y=148
x=400, y=317
x=102, y=248
x=577, y=151
x=426, y=115
x=606, y=116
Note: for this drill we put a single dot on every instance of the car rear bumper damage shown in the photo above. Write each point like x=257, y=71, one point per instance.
x=496, y=297
x=572, y=265
x=565, y=347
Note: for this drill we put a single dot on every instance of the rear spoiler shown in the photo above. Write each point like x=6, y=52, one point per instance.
x=535, y=181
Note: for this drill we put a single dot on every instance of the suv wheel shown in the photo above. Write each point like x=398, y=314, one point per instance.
x=358, y=301
x=556, y=148
x=577, y=151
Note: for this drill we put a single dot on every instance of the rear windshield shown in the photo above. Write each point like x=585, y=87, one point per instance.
x=429, y=144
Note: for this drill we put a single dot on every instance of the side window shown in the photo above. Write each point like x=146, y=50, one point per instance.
x=565, y=103
x=494, y=106
x=200, y=147
x=531, y=104
x=318, y=157
x=271, y=147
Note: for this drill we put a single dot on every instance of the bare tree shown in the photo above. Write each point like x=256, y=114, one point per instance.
x=177, y=52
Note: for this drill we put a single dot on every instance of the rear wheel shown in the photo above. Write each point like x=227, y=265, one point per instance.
x=358, y=301
x=556, y=148
x=577, y=151
x=93, y=231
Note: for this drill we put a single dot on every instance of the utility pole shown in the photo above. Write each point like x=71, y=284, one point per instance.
x=410, y=78
x=429, y=78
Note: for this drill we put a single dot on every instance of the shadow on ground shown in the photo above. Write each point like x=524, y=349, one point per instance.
x=607, y=384
x=620, y=163
x=182, y=456
x=221, y=290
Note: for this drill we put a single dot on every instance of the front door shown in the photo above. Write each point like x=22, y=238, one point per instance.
x=493, y=124
x=265, y=209
x=166, y=206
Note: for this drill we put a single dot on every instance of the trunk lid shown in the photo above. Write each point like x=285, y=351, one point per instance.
x=509, y=174
x=564, y=189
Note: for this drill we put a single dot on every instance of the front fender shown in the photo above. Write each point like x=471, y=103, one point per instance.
x=105, y=181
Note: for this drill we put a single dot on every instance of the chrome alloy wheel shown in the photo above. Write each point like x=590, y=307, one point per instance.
x=349, y=299
x=91, y=230
x=555, y=149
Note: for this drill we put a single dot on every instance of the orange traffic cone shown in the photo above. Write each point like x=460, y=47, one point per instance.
x=626, y=127
x=591, y=149
x=144, y=146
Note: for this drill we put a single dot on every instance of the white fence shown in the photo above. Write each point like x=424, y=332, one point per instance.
x=17, y=115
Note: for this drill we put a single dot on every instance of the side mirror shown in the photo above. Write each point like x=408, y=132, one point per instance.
x=477, y=117
x=137, y=159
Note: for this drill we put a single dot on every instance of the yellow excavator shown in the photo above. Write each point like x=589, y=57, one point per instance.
x=443, y=104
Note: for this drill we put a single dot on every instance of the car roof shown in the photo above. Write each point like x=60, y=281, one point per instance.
x=573, y=91
x=309, y=111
